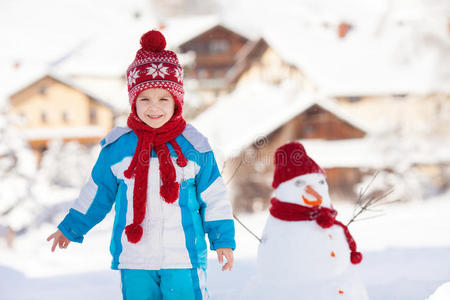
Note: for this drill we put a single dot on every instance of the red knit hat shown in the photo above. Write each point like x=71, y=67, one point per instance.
x=155, y=67
x=291, y=161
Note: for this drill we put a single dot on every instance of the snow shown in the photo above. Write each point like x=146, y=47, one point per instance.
x=442, y=292
x=99, y=45
x=394, y=46
x=36, y=21
x=63, y=132
x=31, y=195
x=179, y=30
x=374, y=152
x=405, y=257
x=17, y=169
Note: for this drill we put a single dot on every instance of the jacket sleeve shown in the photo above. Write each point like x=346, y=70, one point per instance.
x=215, y=207
x=94, y=202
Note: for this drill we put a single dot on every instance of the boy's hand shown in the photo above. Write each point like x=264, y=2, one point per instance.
x=228, y=253
x=60, y=240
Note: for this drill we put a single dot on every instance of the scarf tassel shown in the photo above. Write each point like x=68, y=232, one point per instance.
x=134, y=232
x=169, y=191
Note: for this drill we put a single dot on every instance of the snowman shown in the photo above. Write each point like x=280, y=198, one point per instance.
x=305, y=253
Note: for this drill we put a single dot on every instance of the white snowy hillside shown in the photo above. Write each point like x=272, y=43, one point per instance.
x=405, y=258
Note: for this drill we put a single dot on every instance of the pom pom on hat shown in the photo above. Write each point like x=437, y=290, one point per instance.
x=153, y=41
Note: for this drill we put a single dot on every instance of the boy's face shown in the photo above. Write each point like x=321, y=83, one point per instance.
x=155, y=107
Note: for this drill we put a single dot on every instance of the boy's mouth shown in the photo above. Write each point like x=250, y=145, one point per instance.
x=154, y=117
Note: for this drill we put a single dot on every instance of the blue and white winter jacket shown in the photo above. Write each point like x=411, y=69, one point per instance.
x=174, y=234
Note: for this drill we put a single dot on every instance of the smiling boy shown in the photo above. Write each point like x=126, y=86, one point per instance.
x=162, y=177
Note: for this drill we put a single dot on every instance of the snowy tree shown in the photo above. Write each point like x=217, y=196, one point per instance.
x=64, y=169
x=31, y=195
x=17, y=169
x=399, y=172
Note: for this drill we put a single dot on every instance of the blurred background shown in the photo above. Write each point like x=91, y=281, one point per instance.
x=363, y=84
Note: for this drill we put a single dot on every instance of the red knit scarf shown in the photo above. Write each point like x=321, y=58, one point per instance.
x=325, y=218
x=149, y=138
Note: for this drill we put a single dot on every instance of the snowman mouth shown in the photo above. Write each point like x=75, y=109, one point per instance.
x=313, y=193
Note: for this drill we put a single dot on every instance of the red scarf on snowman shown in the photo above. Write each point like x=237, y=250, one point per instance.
x=324, y=217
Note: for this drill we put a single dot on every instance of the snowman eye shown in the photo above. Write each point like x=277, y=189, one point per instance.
x=299, y=183
x=322, y=181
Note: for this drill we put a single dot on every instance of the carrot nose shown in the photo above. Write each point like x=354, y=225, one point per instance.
x=312, y=192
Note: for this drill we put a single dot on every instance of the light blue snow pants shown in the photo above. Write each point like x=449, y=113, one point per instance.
x=167, y=284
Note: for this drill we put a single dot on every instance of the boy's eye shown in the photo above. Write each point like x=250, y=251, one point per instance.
x=142, y=99
x=164, y=99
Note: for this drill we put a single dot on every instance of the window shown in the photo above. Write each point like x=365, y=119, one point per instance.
x=43, y=89
x=202, y=73
x=308, y=130
x=44, y=118
x=354, y=98
x=23, y=118
x=217, y=46
x=399, y=96
x=65, y=117
x=92, y=115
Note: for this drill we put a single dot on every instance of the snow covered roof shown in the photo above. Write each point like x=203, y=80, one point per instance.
x=349, y=153
x=14, y=79
x=378, y=55
x=377, y=153
x=179, y=30
x=251, y=113
x=383, y=53
x=105, y=55
x=87, y=87
x=111, y=91
x=393, y=47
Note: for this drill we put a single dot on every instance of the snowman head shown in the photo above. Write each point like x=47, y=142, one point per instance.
x=308, y=190
x=298, y=178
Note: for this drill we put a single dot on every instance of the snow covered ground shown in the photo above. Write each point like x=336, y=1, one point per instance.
x=406, y=257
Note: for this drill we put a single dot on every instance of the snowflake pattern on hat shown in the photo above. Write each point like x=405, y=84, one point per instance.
x=132, y=76
x=179, y=74
x=157, y=70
